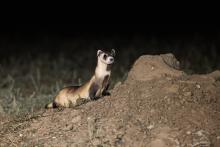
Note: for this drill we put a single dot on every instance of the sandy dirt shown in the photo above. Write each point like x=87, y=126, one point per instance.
x=158, y=105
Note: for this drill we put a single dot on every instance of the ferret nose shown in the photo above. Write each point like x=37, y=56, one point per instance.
x=111, y=59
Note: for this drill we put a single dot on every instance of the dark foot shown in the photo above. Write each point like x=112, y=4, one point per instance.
x=106, y=93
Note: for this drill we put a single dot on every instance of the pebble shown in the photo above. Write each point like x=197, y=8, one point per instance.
x=198, y=86
x=151, y=126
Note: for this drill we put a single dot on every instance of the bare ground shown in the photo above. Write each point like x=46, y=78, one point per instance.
x=156, y=106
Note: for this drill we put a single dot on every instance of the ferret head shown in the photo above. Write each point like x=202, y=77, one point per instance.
x=105, y=57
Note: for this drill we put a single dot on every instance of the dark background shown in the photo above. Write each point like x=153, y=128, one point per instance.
x=186, y=41
x=37, y=60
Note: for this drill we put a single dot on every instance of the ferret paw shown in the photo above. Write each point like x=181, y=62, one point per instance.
x=106, y=93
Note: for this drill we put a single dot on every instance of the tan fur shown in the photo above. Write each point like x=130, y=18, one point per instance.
x=92, y=89
x=67, y=95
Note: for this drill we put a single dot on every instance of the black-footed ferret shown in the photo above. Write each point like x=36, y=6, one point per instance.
x=96, y=87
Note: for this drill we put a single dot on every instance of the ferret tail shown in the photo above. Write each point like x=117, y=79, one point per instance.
x=51, y=105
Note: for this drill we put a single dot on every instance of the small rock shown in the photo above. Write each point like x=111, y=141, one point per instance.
x=200, y=133
x=152, y=111
x=188, y=93
x=34, y=120
x=151, y=126
x=198, y=86
x=68, y=127
x=76, y=119
x=96, y=142
x=188, y=132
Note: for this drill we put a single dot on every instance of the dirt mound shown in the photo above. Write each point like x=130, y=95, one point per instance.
x=157, y=106
x=150, y=67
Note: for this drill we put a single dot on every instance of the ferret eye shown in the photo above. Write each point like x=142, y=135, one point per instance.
x=105, y=56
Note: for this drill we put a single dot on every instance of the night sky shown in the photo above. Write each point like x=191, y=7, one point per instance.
x=15, y=36
x=75, y=30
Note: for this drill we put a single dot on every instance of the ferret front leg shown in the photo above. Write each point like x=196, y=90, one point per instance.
x=93, y=90
x=105, y=91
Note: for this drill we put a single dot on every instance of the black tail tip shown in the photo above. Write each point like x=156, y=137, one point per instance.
x=46, y=106
x=51, y=105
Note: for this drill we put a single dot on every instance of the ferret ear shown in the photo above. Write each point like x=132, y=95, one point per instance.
x=113, y=52
x=99, y=52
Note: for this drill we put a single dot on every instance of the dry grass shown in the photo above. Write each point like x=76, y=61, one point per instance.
x=28, y=84
x=30, y=80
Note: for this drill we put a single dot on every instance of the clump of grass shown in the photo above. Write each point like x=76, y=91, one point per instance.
x=2, y=110
x=36, y=81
